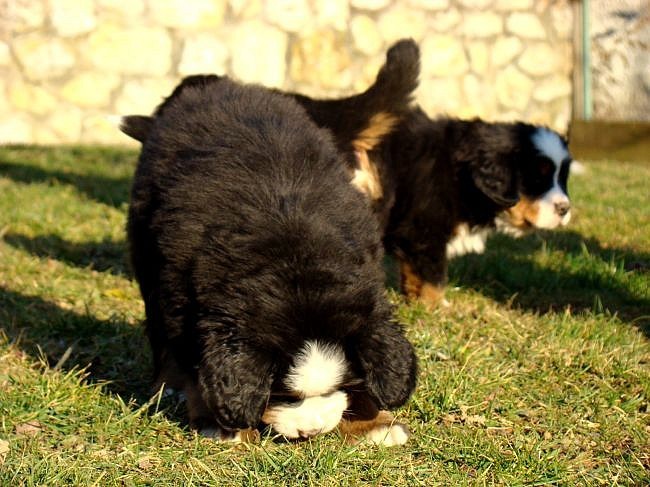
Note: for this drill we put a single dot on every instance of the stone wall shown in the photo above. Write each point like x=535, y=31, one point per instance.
x=65, y=65
x=620, y=55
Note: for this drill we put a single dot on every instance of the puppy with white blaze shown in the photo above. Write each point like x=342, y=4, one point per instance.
x=440, y=186
x=260, y=264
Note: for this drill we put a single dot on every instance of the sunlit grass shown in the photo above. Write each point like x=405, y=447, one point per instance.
x=539, y=372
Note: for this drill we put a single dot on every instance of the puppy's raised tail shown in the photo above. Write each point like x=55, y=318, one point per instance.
x=362, y=121
x=397, y=79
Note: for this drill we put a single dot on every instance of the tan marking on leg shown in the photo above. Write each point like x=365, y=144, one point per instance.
x=415, y=288
x=366, y=176
x=364, y=421
x=431, y=295
x=411, y=283
x=379, y=126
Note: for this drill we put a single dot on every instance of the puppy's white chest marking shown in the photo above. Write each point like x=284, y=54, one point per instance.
x=366, y=177
x=550, y=144
x=467, y=240
x=317, y=369
x=309, y=417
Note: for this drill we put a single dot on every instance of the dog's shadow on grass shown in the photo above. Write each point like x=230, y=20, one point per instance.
x=112, y=191
x=111, y=351
x=589, y=276
x=107, y=255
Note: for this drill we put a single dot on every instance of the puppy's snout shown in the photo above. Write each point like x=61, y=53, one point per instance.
x=562, y=207
x=309, y=433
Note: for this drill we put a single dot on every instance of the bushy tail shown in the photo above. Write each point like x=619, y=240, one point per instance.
x=361, y=121
x=397, y=79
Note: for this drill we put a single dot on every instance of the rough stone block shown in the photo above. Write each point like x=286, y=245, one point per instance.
x=475, y=4
x=188, y=14
x=479, y=97
x=130, y=50
x=442, y=56
x=66, y=123
x=430, y=4
x=258, y=53
x=513, y=88
x=43, y=57
x=25, y=15
x=440, y=96
x=143, y=96
x=552, y=88
x=31, y=98
x=289, y=15
x=369, y=4
x=401, y=21
x=72, y=17
x=332, y=13
x=246, y=9
x=509, y=5
x=505, y=50
x=16, y=129
x=203, y=53
x=444, y=21
x=525, y=25
x=365, y=34
x=539, y=60
x=321, y=58
x=121, y=8
x=479, y=58
x=481, y=24
x=5, y=56
x=90, y=89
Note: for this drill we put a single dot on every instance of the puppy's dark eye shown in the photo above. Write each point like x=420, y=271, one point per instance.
x=545, y=167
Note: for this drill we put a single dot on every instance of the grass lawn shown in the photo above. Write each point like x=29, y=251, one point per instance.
x=539, y=372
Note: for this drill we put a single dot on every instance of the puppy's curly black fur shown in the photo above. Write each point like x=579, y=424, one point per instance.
x=247, y=240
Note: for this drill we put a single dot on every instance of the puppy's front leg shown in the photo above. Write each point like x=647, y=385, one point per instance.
x=364, y=421
x=202, y=420
x=431, y=294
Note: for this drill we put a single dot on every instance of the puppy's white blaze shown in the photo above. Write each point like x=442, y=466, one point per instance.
x=547, y=216
x=550, y=144
x=467, y=240
x=309, y=417
x=318, y=369
x=393, y=435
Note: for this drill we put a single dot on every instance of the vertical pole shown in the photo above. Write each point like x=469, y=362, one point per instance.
x=586, y=62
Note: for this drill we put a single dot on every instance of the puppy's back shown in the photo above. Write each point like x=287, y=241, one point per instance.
x=242, y=188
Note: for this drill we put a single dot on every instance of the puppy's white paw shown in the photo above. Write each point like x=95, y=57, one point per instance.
x=388, y=435
x=309, y=417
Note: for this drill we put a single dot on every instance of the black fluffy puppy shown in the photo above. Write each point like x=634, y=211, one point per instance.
x=260, y=267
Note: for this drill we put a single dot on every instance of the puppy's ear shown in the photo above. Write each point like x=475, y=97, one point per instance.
x=388, y=361
x=235, y=382
x=497, y=180
x=136, y=126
